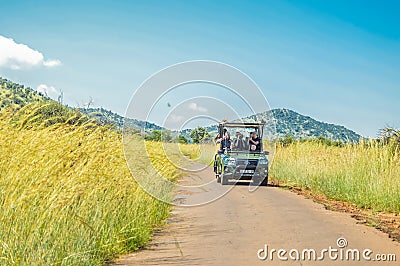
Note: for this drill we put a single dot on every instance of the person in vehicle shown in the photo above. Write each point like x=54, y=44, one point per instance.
x=225, y=140
x=254, y=142
x=246, y=143
x=239, y=143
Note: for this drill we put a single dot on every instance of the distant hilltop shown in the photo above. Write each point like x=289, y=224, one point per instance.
x=108, y=117
x=287, y=122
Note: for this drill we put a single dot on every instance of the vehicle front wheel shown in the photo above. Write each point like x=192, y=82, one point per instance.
x=265, y=182
x=259, y=181
x=224, y=180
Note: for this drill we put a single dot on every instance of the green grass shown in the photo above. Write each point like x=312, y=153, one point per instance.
x=67, y=196
x=366, y=174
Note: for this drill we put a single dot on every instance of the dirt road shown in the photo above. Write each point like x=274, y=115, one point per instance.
x=236, y=229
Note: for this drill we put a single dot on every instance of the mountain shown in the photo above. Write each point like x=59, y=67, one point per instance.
x=287, y=122
x=108, y=117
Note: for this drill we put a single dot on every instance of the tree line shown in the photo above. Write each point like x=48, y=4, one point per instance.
x=197, y=135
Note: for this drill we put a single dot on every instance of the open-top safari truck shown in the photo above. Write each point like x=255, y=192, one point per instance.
x=240, y=162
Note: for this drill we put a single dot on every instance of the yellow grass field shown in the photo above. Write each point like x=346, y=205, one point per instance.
x=366, y=174
x=67, y=196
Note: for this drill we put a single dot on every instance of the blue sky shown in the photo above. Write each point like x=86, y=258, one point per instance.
x=337, y=61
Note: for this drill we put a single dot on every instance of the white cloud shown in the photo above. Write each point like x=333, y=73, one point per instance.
x=49, y=91
x=18, y=56
x=176, y=118
x=52, y=63
x=196, y=107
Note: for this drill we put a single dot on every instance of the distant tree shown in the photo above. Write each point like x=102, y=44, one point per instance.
x=198, y=134
x=182, y=139
x=166, y=136
x=155, y=135
x=60, y=97
x=287, y=140
x=329, y=142
x=160, y=135
x=89, y=103
x=390, y=135
x=323, y=140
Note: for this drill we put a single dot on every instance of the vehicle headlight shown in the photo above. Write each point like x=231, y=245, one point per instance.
x=231, y=161
x=263, y=162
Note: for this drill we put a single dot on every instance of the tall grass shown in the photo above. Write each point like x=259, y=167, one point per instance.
x=200, y=153
x=67, y=196
x=366, y=174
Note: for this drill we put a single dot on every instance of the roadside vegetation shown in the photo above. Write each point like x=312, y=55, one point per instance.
x=67, y=196
x=165, y=136
x=366, y=174
x=200, y=153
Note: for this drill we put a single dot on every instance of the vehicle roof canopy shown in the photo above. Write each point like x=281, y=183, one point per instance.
x=244, y=124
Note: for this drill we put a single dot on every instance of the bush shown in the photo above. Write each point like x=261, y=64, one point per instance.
x=160, y=135
x=390, y=136
x=198, y=134
x=287, y=140
x=182, y=139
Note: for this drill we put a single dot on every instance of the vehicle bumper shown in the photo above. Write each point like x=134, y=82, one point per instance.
x=246, y=173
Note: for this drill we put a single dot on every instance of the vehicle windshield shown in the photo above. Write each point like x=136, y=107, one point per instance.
x=244, y=139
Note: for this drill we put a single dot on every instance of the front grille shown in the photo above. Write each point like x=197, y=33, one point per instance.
x=247, y=162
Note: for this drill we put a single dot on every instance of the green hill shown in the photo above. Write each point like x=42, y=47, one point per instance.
x=16, y=95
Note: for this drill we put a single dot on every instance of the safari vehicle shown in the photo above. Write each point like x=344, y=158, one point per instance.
x=240, y=163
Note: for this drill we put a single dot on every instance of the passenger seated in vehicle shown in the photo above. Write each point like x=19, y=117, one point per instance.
x=225, y=140
x=238, y=143
x=246, y=144
x=254, y=142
